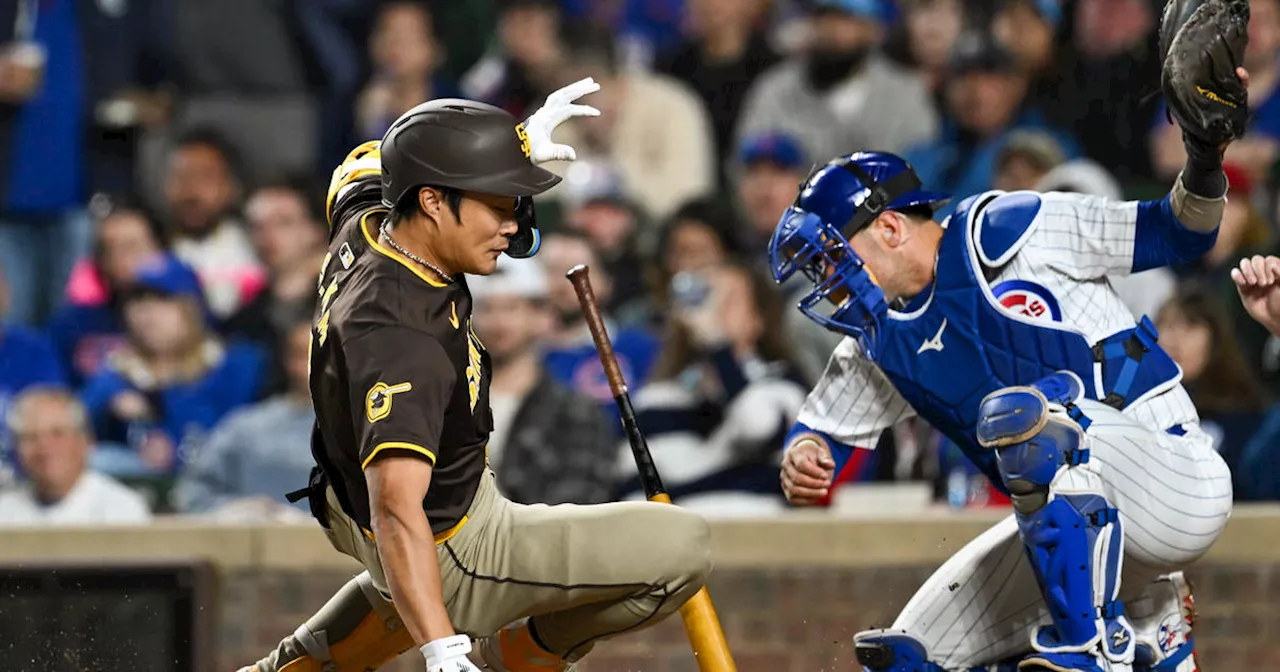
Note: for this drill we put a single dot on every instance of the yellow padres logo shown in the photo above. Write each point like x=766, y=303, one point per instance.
x=524, y=140
x=377, y=404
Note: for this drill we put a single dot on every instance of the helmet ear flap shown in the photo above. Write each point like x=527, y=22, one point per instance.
x=526, y=240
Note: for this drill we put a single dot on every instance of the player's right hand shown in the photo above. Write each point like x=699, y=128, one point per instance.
x=449, y=654
x=807, y=471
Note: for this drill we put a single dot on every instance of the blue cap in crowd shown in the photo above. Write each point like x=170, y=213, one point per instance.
x=779, y=148
x=1051, y=10
x=874, y=9
x=168, y=276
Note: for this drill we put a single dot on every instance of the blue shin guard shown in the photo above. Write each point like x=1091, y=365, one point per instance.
x=1073, y=537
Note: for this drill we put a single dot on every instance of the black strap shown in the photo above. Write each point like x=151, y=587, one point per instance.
x=882, y=194
x=298, y=495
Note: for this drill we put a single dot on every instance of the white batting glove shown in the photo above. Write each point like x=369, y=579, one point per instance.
x=449, y=654
x=557, y=109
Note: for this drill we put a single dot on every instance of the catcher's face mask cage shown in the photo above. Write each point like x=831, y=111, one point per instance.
x=845, y=297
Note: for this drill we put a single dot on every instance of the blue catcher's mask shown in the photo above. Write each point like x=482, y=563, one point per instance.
x=812, y=237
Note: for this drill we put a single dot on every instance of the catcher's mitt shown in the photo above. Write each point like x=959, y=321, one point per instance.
x=1202, y=42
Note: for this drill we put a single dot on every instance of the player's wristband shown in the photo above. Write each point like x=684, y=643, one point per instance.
x=840, y=453
x=442, y=649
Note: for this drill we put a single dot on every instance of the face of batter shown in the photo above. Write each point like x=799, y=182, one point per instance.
x=472, y=241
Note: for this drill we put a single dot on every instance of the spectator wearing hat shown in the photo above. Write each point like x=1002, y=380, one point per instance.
x=773, y=166
x=257, y=453
x=88, y=326
x=842, y=95
x=597, y=206
x=726, y=51
x=174, y=380
x=530, y=409
x=986, y=100
x=1026, y=157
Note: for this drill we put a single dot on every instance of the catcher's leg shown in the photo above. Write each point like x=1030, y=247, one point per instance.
x=1073, y=535
x=973, y=613
x=357, y=630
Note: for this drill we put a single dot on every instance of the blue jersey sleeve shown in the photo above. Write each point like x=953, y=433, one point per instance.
x=1161, y=240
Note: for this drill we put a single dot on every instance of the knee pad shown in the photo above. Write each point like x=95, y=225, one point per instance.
x=892, y=651
x=355, y=631
x=1074, y=539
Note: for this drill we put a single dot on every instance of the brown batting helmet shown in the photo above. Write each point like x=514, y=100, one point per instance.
x=468, y=146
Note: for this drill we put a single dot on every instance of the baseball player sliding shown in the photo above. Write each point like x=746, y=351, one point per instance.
x=999, y=328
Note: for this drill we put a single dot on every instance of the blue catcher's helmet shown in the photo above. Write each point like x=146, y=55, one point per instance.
x=812, y=237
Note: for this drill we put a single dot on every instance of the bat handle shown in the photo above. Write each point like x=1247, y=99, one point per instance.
x=579, y=276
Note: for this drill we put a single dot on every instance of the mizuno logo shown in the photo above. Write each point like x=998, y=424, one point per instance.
x=934, y=343
x=453, y=314
x=1120, y=638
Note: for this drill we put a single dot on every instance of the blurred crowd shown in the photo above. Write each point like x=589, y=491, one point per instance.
x=163, y=171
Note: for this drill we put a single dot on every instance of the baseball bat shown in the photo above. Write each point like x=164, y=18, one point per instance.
x=701, y=623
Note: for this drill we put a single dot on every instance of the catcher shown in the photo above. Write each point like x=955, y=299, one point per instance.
x=400, y=383
x=999, y=328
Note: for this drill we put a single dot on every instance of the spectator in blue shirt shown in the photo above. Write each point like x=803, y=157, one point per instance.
x=258, y=453
x=175, y=380
x=571, y=356
x=986, y=99
x=43, y=226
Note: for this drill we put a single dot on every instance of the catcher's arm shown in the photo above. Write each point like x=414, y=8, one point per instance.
x=1202, y=43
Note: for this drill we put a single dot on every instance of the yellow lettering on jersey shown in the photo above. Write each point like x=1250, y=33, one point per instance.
x=322, y=327
x=473, y=367
x=453, y=314
x=377, y=403
x=328, y=295
x=524, y=140
x=324, y=266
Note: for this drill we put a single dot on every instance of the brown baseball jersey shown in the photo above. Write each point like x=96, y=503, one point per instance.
x=395, y=368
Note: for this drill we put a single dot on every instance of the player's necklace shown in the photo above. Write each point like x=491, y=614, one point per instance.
x=385, y=230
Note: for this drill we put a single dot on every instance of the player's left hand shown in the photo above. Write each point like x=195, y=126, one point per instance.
x=557, y=109
x=1257, y=280
x=449, y=655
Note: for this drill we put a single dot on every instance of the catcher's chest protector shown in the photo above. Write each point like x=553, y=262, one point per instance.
x=962, y=344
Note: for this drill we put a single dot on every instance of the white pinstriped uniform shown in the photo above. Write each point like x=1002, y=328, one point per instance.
x=1173, y=492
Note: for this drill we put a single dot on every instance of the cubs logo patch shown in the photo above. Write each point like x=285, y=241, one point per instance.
x=377, y=402
x=1028, y=299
